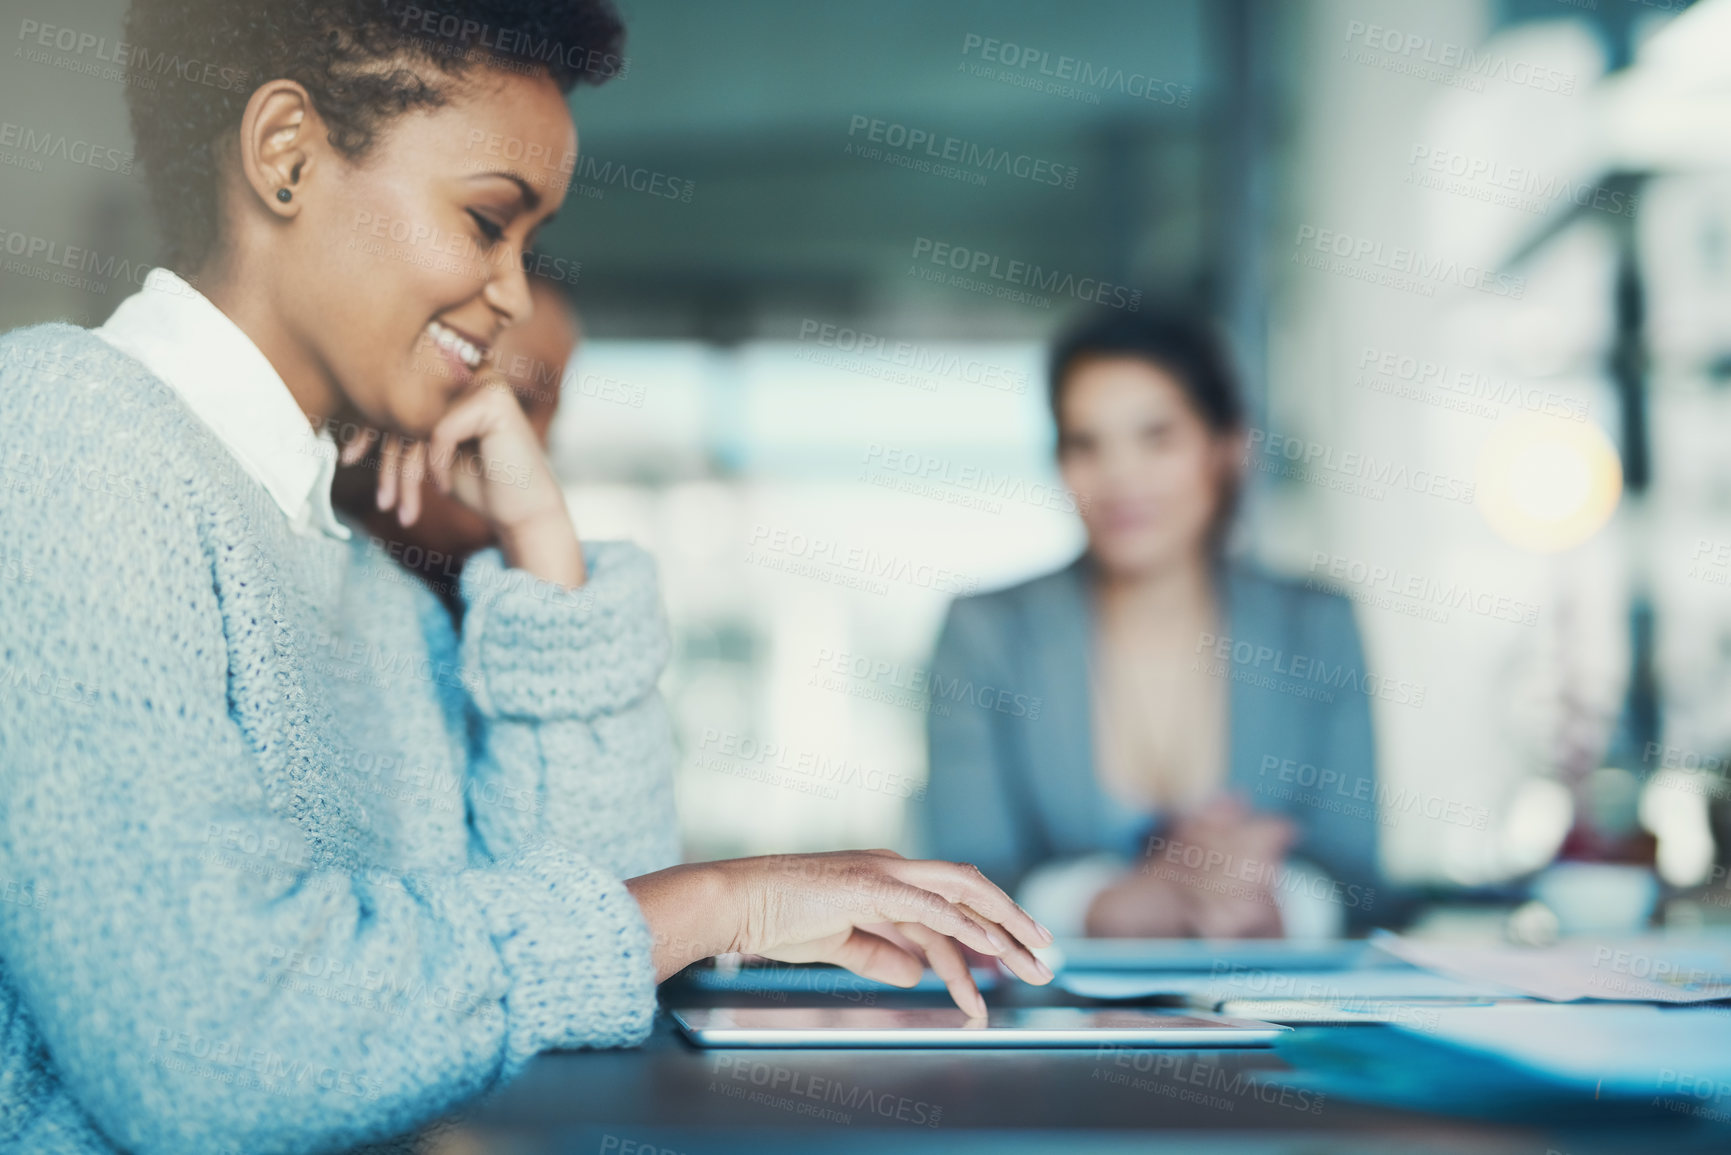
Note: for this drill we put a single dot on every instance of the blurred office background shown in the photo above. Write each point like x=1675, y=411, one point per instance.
x=1487, y=243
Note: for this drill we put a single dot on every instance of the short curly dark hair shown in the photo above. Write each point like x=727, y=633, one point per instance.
x=192, y=65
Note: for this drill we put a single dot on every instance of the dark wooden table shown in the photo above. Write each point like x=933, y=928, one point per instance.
x=669, y=1097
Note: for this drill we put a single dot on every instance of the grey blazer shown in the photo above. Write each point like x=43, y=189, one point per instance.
x=1011, y=737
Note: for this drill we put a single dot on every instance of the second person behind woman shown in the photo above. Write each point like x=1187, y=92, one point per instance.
x=1166, y=787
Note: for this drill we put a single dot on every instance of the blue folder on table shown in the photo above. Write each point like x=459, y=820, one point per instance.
x=1521, y=1059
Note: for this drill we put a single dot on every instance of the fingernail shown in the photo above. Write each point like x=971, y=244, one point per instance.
x=1041, y=969
x=1041, y=927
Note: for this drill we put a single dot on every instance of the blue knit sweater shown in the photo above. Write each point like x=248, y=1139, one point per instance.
x=286, y=865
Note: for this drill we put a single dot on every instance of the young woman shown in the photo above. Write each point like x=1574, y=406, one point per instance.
x=289, y=865
x=1162, y=784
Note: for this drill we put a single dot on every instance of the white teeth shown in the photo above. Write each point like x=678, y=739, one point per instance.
x=447, y=338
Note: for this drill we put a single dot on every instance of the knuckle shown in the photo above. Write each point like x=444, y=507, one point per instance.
x=953, y=919
x=970, y=879
x=858, y=880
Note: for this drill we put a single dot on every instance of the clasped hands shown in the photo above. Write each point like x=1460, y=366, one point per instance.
x=1213, y=876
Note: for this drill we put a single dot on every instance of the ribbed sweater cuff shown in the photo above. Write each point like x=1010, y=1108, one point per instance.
x=533, y=649
x=575, y=948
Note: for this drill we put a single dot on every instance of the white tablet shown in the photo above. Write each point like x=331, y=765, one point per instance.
x=951, y=1027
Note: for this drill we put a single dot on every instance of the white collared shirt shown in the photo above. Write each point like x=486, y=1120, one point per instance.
x=190, y=344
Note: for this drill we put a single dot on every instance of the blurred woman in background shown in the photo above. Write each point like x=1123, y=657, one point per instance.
x=1167, y=784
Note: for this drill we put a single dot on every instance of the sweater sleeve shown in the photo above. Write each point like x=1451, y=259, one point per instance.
x=971, y=811
x=204, y=976
x=563, y=685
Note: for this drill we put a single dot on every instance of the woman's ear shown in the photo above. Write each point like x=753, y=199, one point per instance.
x=281, y=136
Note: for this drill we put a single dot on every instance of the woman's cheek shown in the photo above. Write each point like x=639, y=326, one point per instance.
x=1080, y=481
x=1197, y=503
x=1187, y=479
x=390, y=386
x=457, y=281
x=424, y=406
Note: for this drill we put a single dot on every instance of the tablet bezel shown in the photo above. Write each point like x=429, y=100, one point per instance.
x=929, y=1027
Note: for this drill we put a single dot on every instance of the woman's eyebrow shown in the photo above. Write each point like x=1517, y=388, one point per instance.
x=531, y=198
x=541, y=224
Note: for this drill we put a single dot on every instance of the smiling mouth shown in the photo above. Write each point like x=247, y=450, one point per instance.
x=458, y=345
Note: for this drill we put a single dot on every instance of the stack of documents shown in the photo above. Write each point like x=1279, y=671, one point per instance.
x=1598, y=1030
x=1280, y=983
x=1648, y=970
x=1390, y=995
